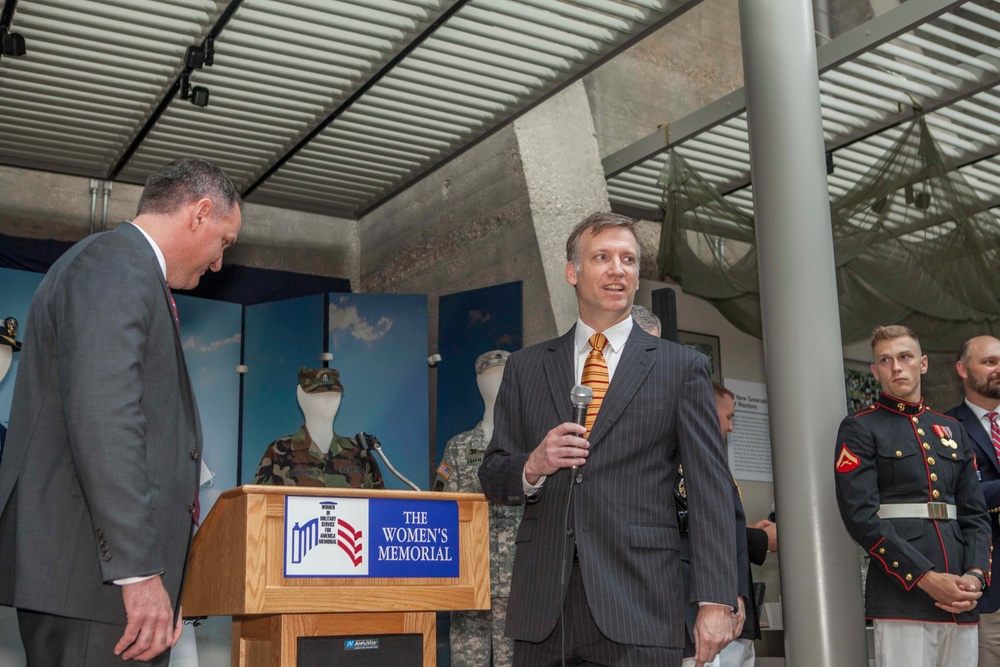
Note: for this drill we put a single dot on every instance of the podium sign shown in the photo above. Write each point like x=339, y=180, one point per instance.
x=288, y=563
x=371, y=537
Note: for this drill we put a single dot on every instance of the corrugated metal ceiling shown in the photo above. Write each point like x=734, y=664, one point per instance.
x=935, y=57
x=319, y=105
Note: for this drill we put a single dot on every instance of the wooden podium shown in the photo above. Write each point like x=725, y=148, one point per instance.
x=236, y=569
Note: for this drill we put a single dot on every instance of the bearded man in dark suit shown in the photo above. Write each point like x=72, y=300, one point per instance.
x=978, y=366
x=597, y=573
x=99, y=478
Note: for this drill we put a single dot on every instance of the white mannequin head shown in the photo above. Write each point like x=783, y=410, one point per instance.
x=320, y=409
x=489, y=373
x=489, y=385
x=6, y=358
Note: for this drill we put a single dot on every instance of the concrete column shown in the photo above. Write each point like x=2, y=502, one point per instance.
x=565, y=180
x=820, y=577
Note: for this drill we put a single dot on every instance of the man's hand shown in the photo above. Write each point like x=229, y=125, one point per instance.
x=951, y=593
x=771, y=528
x=562, y=447
x=149, y=628
x=712, y=631
x=739, y=617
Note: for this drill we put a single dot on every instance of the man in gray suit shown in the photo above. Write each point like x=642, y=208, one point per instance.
x=99, y=479
x=597, y=568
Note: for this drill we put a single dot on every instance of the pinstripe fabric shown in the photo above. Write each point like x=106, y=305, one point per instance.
x=595, y=376
x=659, y=407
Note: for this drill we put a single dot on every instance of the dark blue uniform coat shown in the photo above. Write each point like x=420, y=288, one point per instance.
x=891, y=453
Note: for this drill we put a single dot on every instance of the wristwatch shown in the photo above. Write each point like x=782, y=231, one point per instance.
x=981, y=577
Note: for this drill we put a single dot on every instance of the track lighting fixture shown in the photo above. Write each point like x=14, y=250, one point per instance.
x=198, y=95
x=12, y=43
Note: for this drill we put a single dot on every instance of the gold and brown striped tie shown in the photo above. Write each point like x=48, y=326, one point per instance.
x=595, y=376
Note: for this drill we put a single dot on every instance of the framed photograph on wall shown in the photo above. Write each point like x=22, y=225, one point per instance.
x=707, y=345
x=862, y=387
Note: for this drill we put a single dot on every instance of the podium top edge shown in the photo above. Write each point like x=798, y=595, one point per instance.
x=264, y=490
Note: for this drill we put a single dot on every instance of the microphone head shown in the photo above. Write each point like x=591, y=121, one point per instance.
x=581, y=396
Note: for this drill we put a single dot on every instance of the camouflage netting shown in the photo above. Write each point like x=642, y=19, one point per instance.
x=913, y=243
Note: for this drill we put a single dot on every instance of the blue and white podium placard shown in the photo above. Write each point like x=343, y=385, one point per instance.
x=370, y=537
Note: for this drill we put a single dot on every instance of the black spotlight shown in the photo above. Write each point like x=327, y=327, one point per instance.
x=199, y=96
x=194, y=57
x=12, y=43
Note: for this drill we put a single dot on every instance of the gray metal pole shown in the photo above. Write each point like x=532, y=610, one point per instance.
x=820, y=564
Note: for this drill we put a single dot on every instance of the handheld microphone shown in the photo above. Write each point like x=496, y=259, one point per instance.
x=580, y=397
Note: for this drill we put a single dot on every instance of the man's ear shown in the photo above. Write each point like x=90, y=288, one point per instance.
x=962, y=371
x=571, y=274
x=202, y=210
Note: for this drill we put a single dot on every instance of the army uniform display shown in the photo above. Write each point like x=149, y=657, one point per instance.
x=296, y=460
x=909, y=495
x=474, y=632
x=8, y=338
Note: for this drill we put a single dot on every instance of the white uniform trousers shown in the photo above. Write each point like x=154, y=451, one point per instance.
x=918, y=644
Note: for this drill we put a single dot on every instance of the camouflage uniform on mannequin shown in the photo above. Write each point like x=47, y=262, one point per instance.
x=475, y=633
x=299, y=460
x=8, y=346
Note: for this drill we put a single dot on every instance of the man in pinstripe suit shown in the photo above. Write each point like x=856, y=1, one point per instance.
x=597, y=571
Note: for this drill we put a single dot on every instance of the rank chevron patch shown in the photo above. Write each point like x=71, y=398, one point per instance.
x=847, y=461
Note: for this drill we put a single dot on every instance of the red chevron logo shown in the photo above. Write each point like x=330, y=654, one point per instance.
x=349, y=540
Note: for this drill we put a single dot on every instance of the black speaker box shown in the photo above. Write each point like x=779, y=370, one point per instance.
x=403, y=650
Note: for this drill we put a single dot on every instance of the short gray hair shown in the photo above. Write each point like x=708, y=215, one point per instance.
x=186, y=180
x=646, y=320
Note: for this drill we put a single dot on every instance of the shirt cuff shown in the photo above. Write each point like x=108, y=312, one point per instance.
x=531, y=489
x=715, y=604
x=134, y=580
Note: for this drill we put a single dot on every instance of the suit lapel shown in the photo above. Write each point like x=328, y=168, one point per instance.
x=186, y=391
x=633, y=367
x=975, y=429
x=559, y=368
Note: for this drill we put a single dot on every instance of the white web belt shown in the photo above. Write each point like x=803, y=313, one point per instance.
x=938, y=511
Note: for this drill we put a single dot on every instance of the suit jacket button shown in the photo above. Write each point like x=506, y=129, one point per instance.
x=191, y=508
x=194, y=454
x=579, y=479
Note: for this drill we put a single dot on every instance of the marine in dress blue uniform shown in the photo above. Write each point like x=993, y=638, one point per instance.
x=908, y=494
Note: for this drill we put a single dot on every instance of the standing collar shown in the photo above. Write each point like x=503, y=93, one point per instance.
x=616, y=334
x=898, y=405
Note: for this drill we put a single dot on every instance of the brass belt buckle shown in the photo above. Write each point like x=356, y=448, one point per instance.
x=937, y=511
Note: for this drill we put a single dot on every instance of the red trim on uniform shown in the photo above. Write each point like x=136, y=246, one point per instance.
x=939, y=414
x=908, y=585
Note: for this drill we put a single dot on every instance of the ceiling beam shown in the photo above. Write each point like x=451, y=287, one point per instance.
x=168, y=97
x=861, y=39
x=355, y=96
